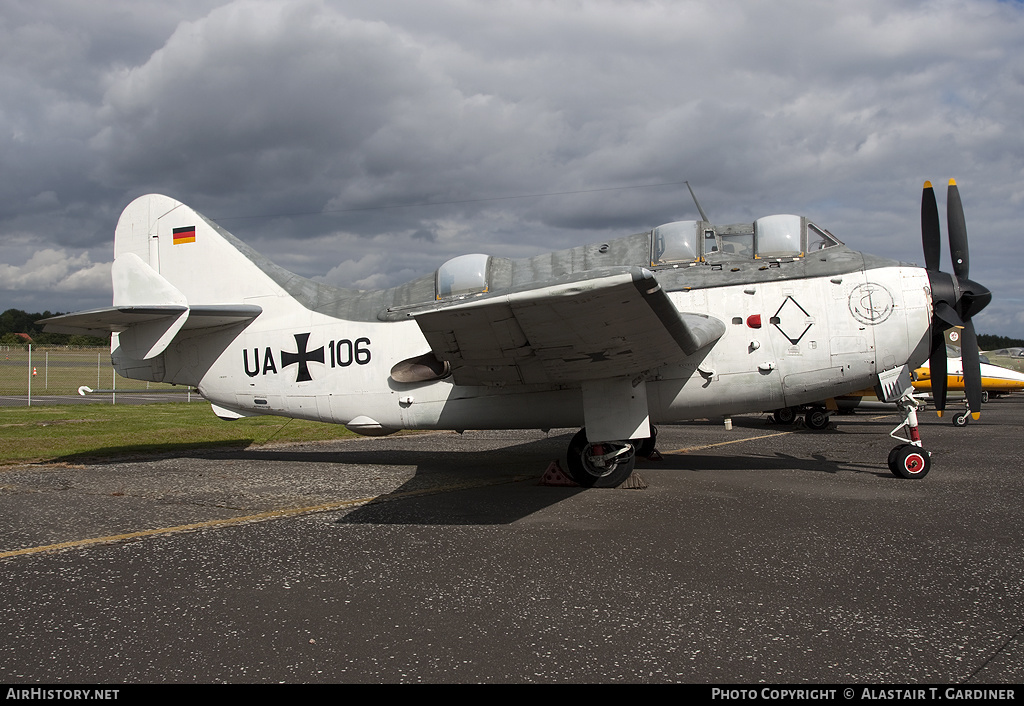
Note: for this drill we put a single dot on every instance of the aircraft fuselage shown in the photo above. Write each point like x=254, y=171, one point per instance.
x=787, y=342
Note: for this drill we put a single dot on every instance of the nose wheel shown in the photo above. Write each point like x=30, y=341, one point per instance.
x=909, y=459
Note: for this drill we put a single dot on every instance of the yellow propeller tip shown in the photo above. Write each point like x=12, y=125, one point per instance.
x=976, y=415
x=927, y=185
x=938, y=413
x=952, y=182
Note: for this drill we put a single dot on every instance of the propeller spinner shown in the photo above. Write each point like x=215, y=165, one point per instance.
x=955, y=298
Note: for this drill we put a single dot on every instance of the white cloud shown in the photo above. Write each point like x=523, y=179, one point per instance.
x=56, y=269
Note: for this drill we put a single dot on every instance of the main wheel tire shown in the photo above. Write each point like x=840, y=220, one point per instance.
x=909, y=461
x=645, y=447
x=786, y=415
x=591, y=472
x=816, y=419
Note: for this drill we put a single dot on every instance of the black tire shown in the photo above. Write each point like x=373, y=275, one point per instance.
x=892, y=457
x=589, y=474
x=645, y=447
x=910, y=462
x=816, y=419
x=960, y=420
x=786, y=415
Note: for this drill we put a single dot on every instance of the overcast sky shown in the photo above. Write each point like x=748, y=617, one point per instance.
x=316, y=130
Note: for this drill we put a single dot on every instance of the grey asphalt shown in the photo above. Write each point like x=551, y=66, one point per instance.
x=757, y=554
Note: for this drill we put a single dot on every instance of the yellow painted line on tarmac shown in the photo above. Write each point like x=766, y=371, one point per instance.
x=726, y=443
x=257, y=517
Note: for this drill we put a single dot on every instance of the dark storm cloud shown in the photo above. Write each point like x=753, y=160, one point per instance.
x=312, y=129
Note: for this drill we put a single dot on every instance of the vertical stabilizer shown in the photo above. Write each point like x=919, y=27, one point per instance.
x=163, y=247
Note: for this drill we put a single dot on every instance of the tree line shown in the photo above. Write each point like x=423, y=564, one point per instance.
x=16, y=321
x=987, y=342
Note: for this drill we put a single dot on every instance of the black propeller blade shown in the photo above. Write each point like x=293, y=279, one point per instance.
x=957, y=232
x=955, y=298
x=930, y=228
x=972, y=367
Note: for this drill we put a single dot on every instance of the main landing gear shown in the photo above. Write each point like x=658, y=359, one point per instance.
x=816, y=417
x=909, y=459
x=606, y=464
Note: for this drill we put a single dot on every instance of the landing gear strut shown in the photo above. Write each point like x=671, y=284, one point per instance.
x=816, y=417
x=909, y=459
x=602, y=465
x=962, y=418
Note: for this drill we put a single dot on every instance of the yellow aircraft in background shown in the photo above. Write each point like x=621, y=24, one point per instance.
x=996, y=381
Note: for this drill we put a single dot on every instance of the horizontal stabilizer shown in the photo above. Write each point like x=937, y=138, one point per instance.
x=146, y=331
x=601, y=324
x=115, y=319
x=111, y=319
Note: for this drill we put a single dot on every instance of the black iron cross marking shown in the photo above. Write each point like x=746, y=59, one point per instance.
x=302, y=357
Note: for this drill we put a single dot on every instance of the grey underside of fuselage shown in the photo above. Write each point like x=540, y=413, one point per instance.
x=550, y=268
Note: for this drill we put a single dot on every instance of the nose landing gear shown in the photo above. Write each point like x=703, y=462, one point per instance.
x=909, y=459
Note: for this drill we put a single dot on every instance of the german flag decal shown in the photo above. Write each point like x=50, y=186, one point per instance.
x=184, y=235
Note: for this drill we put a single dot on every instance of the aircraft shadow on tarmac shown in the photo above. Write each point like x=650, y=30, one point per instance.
x=818, y=463
x=455, y=485
x=463, y=487
x=451, y=485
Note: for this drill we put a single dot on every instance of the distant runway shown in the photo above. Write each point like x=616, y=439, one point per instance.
x=757, y=554
x=121, y=398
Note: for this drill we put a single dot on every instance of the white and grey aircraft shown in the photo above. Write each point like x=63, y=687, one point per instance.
x=685, y=321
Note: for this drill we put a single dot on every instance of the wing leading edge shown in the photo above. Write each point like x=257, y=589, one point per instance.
x=601, y=324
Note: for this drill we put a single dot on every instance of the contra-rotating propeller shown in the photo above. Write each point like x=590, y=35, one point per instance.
x=955, y=298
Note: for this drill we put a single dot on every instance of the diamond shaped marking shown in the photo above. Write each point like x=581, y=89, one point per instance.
x=792, y=320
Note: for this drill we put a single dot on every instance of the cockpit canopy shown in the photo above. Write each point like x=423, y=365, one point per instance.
x=783, y=236
x=465, y=274
x=678, y=244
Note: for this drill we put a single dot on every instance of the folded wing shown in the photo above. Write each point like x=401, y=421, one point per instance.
x=601, y=324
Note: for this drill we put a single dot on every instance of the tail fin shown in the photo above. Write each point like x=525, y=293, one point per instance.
x=174, y=269
x=195, y=257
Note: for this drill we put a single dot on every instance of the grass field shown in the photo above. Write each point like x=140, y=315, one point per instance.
x=79, y=433
x=61, y=371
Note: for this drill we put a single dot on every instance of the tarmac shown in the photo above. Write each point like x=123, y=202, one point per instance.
x=760, y=554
